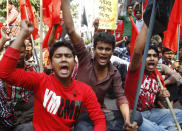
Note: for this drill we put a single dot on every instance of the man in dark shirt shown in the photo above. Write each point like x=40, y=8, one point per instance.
x=98, y=72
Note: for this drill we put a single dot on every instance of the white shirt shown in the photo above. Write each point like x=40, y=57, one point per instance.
x=139, y=24
x=120, y=61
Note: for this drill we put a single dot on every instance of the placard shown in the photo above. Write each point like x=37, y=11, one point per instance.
x=106, y=11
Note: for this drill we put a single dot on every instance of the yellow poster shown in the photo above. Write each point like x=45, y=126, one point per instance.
x=106, y=11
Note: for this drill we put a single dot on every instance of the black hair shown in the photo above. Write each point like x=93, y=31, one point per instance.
x=138, y=11
x=159, y=45
x=165, y=49
x=29, y=40
x=155, y=48
x=129, y=5
x=60, y=44
x=105, y=37
x=10, y=2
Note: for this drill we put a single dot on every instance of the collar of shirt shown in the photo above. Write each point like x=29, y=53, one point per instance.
x=112, y=70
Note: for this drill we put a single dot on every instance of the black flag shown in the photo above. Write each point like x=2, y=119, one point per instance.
x=84, y=18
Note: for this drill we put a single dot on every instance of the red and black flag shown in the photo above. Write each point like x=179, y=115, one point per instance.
x=171, y=34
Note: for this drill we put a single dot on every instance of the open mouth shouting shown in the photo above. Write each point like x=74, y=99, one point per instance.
x=64, y=70
x=150, y=66
x=103, y=60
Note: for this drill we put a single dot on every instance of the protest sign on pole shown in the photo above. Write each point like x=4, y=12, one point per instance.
x=106, y=11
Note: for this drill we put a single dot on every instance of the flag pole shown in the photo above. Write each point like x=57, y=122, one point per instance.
x=178, y=42
x=7, y=14
x=41, y=38
x=142, y=10
x=34, y=50
x=151, y=24
x=169, y=105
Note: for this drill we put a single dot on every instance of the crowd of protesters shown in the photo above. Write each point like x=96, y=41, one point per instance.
x=70, y=93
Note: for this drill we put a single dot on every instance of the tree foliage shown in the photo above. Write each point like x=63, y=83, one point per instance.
x=74, y=9
x=35, y=6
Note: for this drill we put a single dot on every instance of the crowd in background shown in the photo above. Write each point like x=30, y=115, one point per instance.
x=17, y=104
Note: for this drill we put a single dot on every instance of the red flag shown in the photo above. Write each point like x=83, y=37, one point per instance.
x=59, y=30
x=119, y=30
x=45, y=41
x=145, y=4
x=51, y=12
x=27, y=4
x=171, y=34
x=46, y=8
x=1, y=25
x=134, y=34
x=51, y=16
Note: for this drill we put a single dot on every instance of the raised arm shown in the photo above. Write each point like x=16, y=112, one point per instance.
x=134, y=6
x=8, y=71
x=120, y=8
x=96, y=26
x=26, y=29
x=69, y=25
x=51, y=39
x=138, y=49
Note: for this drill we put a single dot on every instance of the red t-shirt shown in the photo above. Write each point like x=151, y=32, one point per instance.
x=148, y=92
x=56, y=108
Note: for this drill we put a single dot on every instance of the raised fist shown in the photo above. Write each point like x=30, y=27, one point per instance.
x=96, y=23
x=121, y=4
x=27, y=28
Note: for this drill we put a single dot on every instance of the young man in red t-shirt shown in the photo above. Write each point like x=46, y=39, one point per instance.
x=153, y=118
x=59, y=98
x=100, y=74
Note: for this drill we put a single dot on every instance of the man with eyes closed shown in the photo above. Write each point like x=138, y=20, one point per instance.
x=99, y=73
x=58, y=98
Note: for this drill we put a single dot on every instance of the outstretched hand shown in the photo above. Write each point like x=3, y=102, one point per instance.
x=96, y=23
x=121, y=5
x=27, y=28
x=137, y=3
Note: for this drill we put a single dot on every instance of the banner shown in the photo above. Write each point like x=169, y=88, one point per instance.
x=106, y=11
